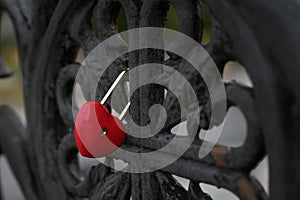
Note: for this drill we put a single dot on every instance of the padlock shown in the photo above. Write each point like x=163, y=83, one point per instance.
x=97, y=132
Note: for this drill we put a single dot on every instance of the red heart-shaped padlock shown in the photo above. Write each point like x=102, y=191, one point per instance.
x=97, y=132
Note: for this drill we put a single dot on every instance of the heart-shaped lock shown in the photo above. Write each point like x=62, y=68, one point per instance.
x=98, y=133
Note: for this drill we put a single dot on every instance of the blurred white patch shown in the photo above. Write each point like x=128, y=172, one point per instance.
x=218, y=193
x=78, y=96
x=119, y=164
x=261, y=172
x=183, y=181
x=235, y=71
x=80, y=56
x=234, y=131
x=180, y=129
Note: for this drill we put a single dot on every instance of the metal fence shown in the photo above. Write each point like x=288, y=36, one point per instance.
x=262, y=35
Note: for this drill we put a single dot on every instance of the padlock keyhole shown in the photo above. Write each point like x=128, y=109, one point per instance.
x=103, y=132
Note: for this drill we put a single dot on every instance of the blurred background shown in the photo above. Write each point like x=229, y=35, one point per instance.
x=11, y=94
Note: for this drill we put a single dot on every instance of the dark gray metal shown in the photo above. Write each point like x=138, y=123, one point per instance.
x=263, y=36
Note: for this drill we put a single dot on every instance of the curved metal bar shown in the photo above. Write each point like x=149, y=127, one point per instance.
x=67, y=160
x=14, y=145
x=64, y=92
x=253, y=150
x=268, y=65
x=82, y=30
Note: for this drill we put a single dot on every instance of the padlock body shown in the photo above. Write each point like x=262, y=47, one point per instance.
x=91, y=119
